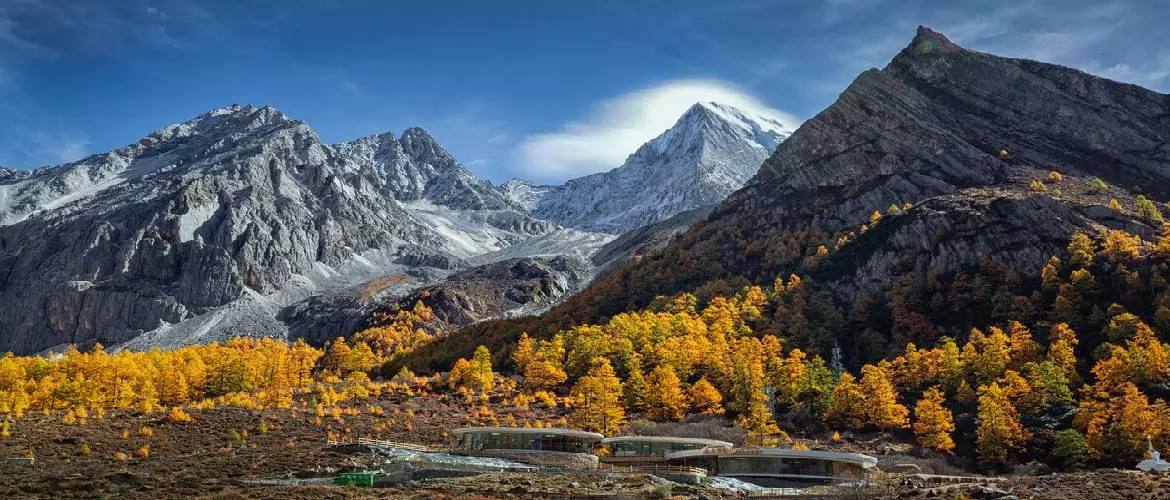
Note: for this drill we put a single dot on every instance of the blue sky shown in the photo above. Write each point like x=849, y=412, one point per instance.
x=544, y=90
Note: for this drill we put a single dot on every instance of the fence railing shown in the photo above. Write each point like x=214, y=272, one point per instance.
x=381, y=443
x=655, y=468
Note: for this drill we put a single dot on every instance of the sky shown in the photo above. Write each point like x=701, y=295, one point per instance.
x=543, y=89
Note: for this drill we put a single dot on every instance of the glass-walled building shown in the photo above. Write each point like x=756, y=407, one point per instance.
x=652, y=449
x=524, y=438
x=777, y=467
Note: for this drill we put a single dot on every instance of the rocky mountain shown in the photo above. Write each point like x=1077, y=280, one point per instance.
x=210, y=227
x=710, y=152
x=958, y=136
x=968, y=159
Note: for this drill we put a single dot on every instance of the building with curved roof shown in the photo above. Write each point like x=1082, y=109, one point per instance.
x=542, y=446
x=652, y=449
x=777, y=467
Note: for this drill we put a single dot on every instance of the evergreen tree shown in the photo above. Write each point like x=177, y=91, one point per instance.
x=634, y=388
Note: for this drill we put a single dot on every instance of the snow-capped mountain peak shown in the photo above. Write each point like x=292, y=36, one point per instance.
x=712, y=150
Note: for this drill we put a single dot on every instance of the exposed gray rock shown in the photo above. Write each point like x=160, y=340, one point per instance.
x=647, y=239
x=510, y=287
x=710, y=152
x=234, y=203
x=958, y=135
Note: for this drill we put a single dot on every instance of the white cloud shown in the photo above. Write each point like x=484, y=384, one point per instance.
x=58, y=147
x=619, y=125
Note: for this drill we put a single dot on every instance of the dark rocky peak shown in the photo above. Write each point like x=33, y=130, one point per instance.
x=9, y=174
x=928, y=41
x=420, y=145
x=227, y=120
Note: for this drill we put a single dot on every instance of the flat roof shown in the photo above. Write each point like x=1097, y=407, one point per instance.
x=711, y=443
x=532, y=430
x=865, y=461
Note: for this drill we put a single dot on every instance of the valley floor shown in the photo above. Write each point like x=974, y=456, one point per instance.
x=231, y=452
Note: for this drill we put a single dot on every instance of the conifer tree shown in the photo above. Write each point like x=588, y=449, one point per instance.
x=1147, y=210
x=848, y=406
x=597, y=399
x=481, y=377
x=1081, y=249
x=933, y=422
x=705, y=398
x=882, y=409
x=1120, y=246
x=1062, y=349
x=634, y=388
x=665, y=399
x=998, y=432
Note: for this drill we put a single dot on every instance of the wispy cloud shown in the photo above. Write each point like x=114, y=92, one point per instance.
x=474, y=133
x=59, y=146
x=618, y=126
x=1093, y=35
x=33, y=32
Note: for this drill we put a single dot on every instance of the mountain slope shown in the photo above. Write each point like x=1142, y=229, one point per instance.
x=239, y=206
x=932, y=125
x=945, y=143
x=711, y=151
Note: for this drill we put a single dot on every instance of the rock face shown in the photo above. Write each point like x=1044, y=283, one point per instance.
x=951, y=137
x=710, y=152
x=646, y=240
x=512, y=287
x=236, y=204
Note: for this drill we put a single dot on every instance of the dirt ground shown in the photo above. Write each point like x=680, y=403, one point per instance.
x=221, y=451
x=210, y=456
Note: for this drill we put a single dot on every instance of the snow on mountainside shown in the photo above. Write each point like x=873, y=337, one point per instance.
x=526, y=194
x=710, y=152
x=209, y=228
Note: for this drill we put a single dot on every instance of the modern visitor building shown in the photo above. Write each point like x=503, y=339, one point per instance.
x=541, y=446
x=634, y=450
x=678, y=458
x=777, y=467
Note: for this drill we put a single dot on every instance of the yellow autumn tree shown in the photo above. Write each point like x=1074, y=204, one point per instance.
x=542, y=368
x=848, y=403
x=882, y=409
x=705, y=398
x=998, y=432
x=481, y=377
x=1121, y=246
x=933, y=422
x=1062, y=349
x=665, y=399
x=1116, y=421
x=1081, y=249
x=597, y=399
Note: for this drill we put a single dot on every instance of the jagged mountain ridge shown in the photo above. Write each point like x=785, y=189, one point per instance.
x=236, y=204
x=928, y=130
x=957, y=137
x=711, y=151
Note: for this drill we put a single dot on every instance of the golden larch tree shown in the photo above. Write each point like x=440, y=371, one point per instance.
x=998, y=432
x=665, y=399
x=933, y=422
x=597, y=399
x=882, y=409
x=705, y=398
